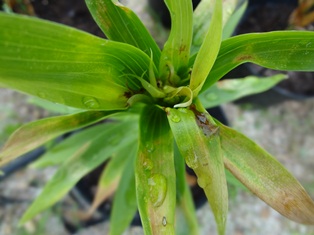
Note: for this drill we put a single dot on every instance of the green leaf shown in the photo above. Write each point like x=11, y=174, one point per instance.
x=186, y=221
x=88, y=157
x=155, y=173
x=202, y=15
x=62, y=151
x=176, y=52
x=281, y=50
x=265, y=176
x=66, y=65
x=111, y=175
x=208, y=51
x=234, y=16
x=125, y=198
x=198, y=140
x=120, y=24
x=52, y=107
x=35, y=134
x=232, y=89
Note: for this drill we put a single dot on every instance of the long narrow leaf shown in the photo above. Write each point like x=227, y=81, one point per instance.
x=66, y=65
x=186, y=221
x=176, y=51
x=232, y=89
x=111, y=175
x=125, y=197
x=62, y=151
x=120, y=24
x=199, y=143
x=155, y=173
x=234, y=16
x=265, y=176
x=208, y=51
x=202, y=15
x=281, y=50
x=87, y=158
x=35, y=134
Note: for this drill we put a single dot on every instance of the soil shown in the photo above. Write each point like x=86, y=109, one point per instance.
x=71, y=12
x=271, y=17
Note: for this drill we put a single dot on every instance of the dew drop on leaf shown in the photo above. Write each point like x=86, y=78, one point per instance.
x=90, y=102
x=175, y=118
x=192, y=161
x=164, y=221
x=157, y=189
x=201, y=182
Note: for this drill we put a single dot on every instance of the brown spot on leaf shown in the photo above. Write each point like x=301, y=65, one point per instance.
x=243, y=58
x=202, y=121
x=182, y=48
x=127, y=94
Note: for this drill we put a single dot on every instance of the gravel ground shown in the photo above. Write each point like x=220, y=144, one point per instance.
x=285, y=130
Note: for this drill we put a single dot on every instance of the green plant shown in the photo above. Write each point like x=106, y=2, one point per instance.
x=155, y=101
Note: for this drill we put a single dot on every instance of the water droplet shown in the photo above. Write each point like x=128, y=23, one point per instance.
x=308, y=44
x=175, y=118
x=192, y=161
x=157, y=189
x=183, y=110
x=90, y=102
x=201, y=182
x=164, y=221
x=41, y=95
x=150, y=147
x=148, y=165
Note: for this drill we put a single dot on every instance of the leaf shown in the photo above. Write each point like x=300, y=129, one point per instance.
x=52, y=107
x=265, y=176
x=208, y=51
x=281, y=50
x=234, y=16
x=203, y=13
x=65, y=149
x=155, y=173
x=125, y=198
x=67, y=66
x=176, y=51
x=111, y=176
x=232, y=89
x=120, y=24
x=88, y=157
x=62, y=151
x=186, y=221
x=198, y=140
x=35, y=134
